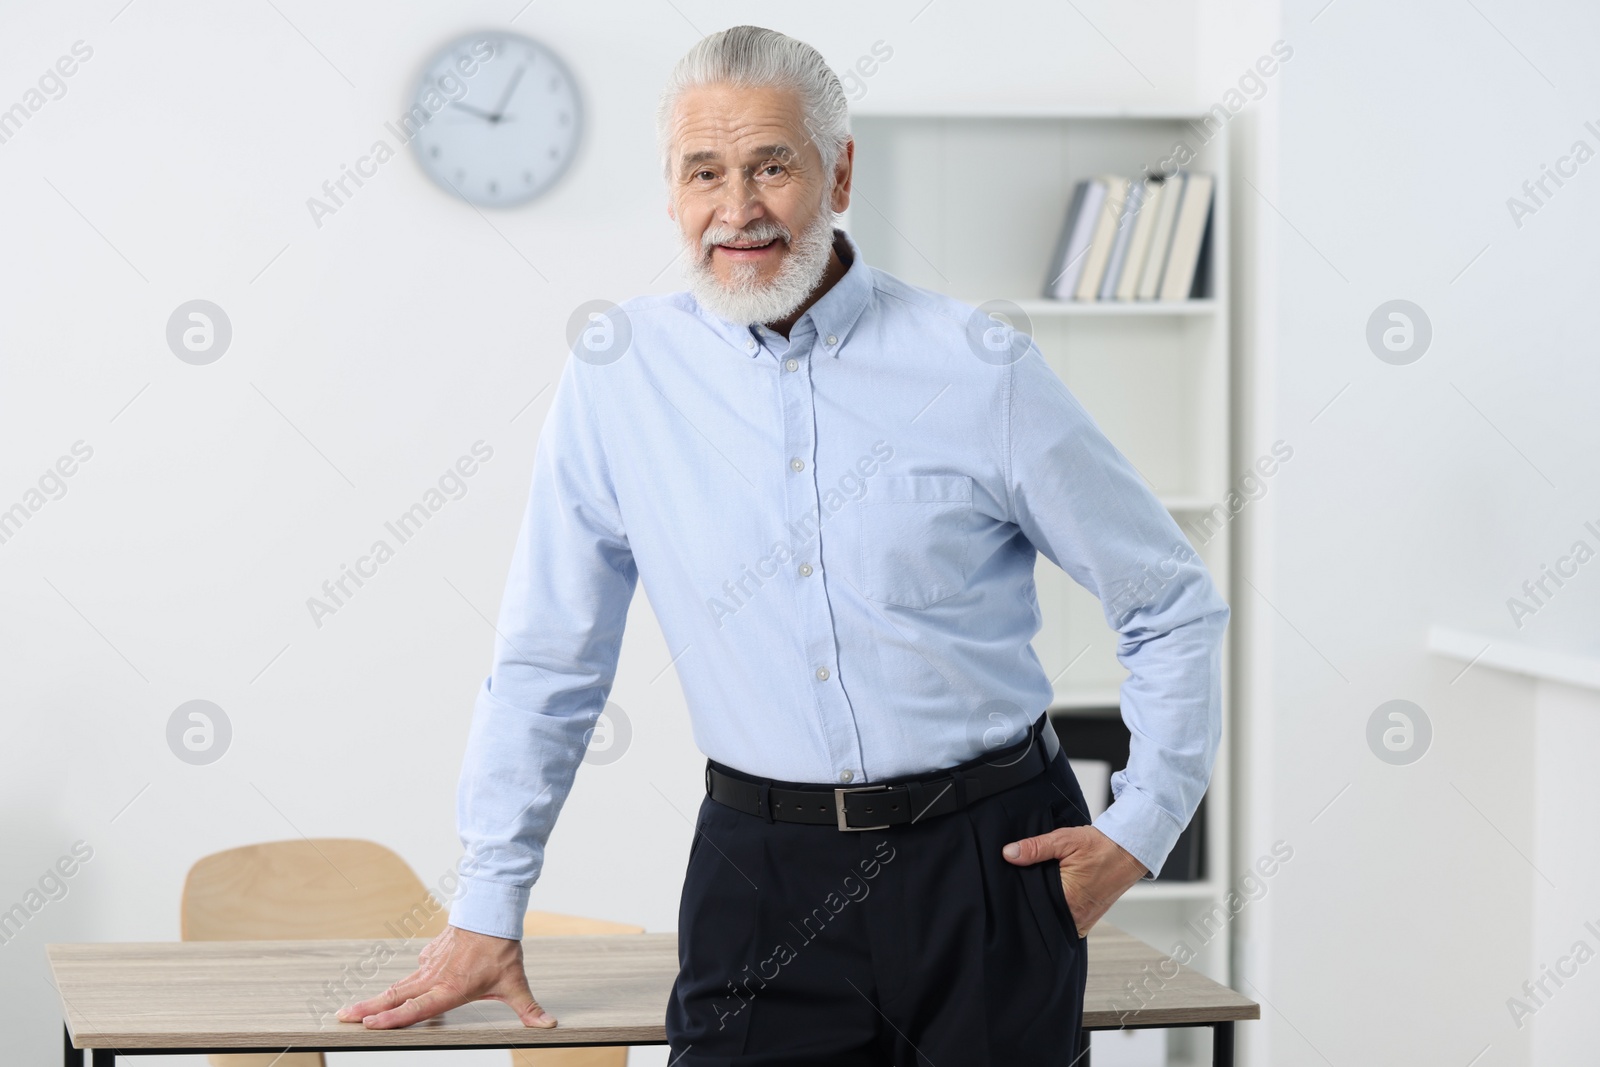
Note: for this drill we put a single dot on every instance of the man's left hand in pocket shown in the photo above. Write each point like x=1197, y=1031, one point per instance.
x=1095, y=870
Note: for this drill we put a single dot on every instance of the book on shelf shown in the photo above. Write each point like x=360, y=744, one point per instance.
x=1073, y=244
x=1188, y=233
x=1139, y=244
x=1160, y=238
x=1144, y=239
x=1105, y=235
x=1119, y=249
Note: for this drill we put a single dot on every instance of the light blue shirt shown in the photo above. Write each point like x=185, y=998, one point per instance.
x=837, y=533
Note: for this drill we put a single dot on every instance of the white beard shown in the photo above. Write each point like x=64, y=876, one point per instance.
x=744, y=300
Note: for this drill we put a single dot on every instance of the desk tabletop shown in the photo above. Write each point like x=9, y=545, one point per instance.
x=604, y=989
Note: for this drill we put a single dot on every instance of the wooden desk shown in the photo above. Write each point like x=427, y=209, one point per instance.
x=171, y=997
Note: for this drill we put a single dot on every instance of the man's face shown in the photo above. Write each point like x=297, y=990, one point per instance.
x=749, y=193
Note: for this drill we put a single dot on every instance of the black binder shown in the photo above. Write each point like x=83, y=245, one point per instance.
x=1100, y=734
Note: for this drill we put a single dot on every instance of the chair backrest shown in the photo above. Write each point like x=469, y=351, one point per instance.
x=338, y=888
x=305, y=889
x=551, y=924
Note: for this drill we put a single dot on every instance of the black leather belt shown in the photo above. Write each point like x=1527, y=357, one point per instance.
x=892, y=803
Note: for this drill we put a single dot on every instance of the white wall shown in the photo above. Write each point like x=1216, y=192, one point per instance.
x=177, y=565
x=366, y=357
x=1564, y=1024
x=1424, y=493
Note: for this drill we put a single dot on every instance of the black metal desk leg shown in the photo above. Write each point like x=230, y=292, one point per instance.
x=1222, y=1044
x=105, y=1057
x=70, y=1057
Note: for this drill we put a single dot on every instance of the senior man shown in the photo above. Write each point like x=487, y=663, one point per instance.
x=833, y=485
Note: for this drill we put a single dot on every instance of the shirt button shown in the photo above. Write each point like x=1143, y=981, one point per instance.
x=845, y=776
x=797, y=464
x=805, y=570
x=750, y=345
x=791, y=364
x=832, y=340
x=822, y=674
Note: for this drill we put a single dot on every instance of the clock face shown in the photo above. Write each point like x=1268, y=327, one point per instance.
x=505, y=118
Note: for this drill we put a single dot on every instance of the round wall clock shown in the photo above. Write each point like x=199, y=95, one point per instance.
x=509, y=123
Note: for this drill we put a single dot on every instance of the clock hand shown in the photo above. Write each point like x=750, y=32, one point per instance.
x=505, y=97
x=476, y=111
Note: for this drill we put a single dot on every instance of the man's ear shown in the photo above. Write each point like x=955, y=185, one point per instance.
x=840, y=196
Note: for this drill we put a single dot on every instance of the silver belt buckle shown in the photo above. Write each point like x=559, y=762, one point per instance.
x=838, y=804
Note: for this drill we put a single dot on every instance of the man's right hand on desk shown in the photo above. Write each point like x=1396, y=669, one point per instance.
x=456, y=967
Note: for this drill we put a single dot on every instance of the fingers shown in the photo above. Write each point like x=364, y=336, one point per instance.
x=1078, y=909
x=1032, y=850
x=1086, y=904
x=456, y=967
x=439, y=999
x=520, y=999
x=423, y=978
x=451, y=974
x=435, y=1001
x=396, y=994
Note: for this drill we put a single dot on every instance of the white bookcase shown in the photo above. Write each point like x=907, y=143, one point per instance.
x=970, y=204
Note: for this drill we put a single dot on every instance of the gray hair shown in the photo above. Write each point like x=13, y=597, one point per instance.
x=752, y=57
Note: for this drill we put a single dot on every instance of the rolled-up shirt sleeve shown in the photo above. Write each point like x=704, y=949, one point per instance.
x=1084, y=506
x=559, y=634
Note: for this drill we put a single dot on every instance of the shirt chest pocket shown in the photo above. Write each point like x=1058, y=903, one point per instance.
x=913, y=537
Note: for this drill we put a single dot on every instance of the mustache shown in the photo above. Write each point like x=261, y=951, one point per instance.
x=758, y=234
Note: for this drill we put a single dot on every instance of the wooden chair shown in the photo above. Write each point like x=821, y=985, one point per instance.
x=551, y=924
x=343, y=888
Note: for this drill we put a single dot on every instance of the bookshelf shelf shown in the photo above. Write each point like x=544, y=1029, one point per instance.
x=1206, y=890
x=1086, y=698
x=1185, y=504
x=1043, y=111
x=970, y=202
x=1039, y=307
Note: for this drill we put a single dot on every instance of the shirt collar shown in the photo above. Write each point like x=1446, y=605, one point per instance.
x=833, y=315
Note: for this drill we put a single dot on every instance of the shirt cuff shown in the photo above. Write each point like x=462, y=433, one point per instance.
x=1141, y=826
x=490, y=908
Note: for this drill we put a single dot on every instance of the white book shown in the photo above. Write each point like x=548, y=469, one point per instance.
x=1187, y=236
x=1129, y=1048
x=1105, y=235
x=1094, y=778
x=1119, y=249
x=1139, y=243
x=1171, y=197
x=1058, y=259
x=1078, y=246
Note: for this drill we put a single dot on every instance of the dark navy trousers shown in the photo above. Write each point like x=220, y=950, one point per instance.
x=913, y=946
